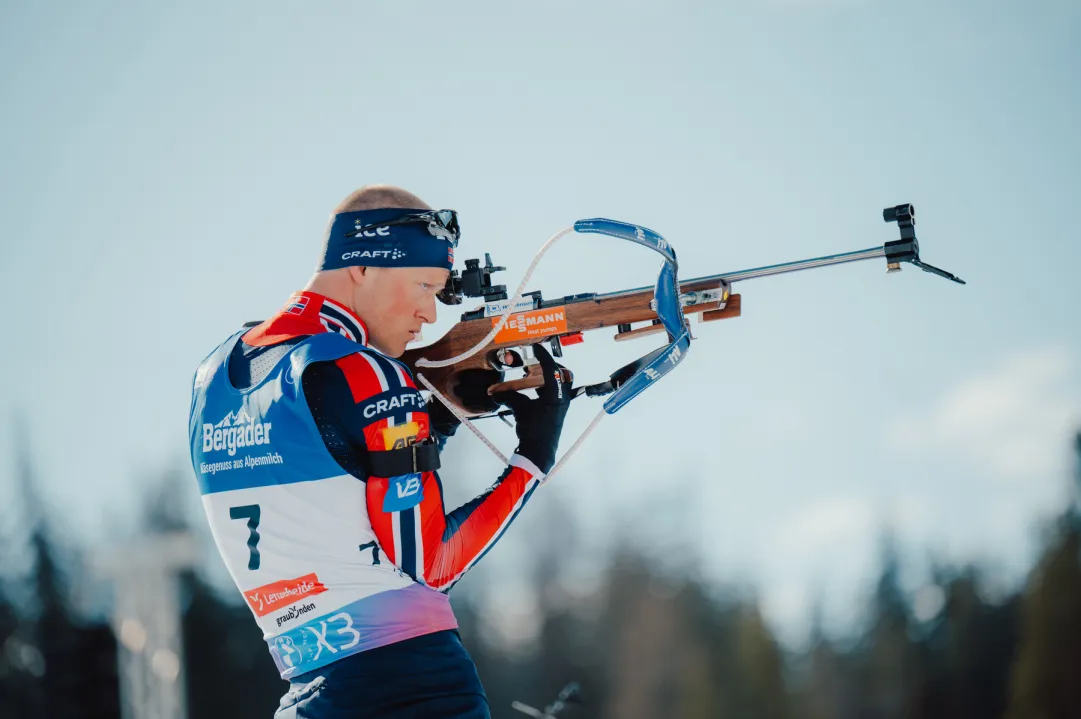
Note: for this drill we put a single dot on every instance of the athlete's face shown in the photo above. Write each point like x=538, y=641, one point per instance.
x=395, y=302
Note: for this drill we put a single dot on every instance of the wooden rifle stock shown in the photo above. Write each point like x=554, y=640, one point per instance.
x=469, y=382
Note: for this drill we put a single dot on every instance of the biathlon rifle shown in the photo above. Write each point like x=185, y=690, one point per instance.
x=634, y=313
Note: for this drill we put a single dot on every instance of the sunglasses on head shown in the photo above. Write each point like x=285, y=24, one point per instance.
x=442, y=224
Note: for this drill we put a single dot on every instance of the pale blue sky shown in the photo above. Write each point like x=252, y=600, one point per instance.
x=167, y=172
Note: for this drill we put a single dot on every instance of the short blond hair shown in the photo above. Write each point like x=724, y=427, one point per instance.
x=378, y=197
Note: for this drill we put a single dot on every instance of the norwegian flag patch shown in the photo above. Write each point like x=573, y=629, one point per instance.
x=297, y=306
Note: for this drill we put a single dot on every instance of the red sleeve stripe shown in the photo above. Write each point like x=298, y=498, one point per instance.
x=418, y=524
x=365, y=379
x=408, y=542
x=403, y=376
x=384, y=383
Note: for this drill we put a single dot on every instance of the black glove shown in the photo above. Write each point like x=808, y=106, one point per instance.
x=472, y=390
x=441, y=420
x=539, y=422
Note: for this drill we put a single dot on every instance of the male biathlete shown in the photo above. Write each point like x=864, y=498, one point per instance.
x=316, y=459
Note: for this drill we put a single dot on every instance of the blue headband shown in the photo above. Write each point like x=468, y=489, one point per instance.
x=405, y=245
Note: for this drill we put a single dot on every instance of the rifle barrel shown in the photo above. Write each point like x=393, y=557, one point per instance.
x=785, y=267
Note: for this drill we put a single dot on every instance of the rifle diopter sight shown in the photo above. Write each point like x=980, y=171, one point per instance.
x=475, y=281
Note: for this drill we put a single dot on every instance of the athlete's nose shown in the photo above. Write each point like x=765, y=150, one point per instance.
x=426, y=313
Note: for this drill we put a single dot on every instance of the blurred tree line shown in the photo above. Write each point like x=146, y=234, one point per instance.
x=646, y=642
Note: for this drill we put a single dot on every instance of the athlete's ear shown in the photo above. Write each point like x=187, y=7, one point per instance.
x=359, y=274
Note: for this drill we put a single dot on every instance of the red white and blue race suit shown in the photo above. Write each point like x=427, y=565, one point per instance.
x=332, y=562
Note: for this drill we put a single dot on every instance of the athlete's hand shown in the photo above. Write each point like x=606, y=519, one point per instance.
x=441, y=420
x=472, y=390
x=539, y=422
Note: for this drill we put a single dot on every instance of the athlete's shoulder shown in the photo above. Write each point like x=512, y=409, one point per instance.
x=308, y=313
x=213, y=360
x=370, y=373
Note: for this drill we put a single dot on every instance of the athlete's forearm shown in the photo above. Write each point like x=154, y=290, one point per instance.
x=438, y=548
x=472, y=529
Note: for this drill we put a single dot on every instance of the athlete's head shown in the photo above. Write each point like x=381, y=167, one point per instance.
x=388, y=275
